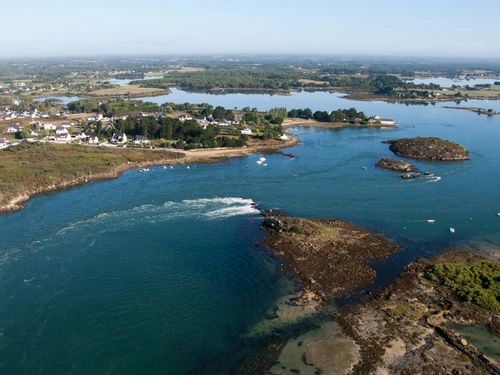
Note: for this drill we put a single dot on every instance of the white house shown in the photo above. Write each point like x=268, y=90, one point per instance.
x=246, y=130
x=66, y=137
x=3, y=142
x=61, y=130
x=184, y=117
x=284, y=137
x=93, y=140
x=122, y=138
x=79, y=135
x=48, y=126
x=140, y=139
x=13, y=129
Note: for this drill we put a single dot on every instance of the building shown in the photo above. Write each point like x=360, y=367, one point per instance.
x=3, y=142
x=246, y=130
x=13, y=129
x=140, y=139
x=61, y=130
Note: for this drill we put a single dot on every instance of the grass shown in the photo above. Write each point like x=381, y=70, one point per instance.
x=37, y=166
x=125, y=90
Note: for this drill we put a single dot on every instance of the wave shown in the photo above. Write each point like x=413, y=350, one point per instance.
x=201, y=209
x=433, y=179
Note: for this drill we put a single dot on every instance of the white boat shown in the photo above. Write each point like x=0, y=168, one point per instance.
x=262, y=159
x=187, y=167
x=265, y=165
x=452, y=230
x=498, y=214
x=363, y=167
x=430, y=220
x=259, y=161
x=171, y=167
x=164, y=167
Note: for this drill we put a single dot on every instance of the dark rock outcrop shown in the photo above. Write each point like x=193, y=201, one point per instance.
x=396, y=165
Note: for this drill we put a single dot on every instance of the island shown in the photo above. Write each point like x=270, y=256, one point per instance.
x=329, y=256
x=416, y=324
x=428, y=148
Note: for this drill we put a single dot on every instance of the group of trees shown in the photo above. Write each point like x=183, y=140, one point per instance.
x=339, y=115
x=168, y=131
x=477, y=282
x=264, y=78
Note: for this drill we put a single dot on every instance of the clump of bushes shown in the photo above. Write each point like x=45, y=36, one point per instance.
x=477, y=282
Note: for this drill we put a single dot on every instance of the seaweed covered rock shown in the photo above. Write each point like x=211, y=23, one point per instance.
x=430, y=148
x=396, y=165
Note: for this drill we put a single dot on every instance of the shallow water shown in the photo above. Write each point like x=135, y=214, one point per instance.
x=158, y=272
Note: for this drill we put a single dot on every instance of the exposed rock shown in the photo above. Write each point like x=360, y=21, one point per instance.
x=329, y=256
x=396, y=165
x=409, y=176
x=405, y=328
x=428, y=148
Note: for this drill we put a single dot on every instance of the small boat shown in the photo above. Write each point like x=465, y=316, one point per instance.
x=265, y=165
x=262, y=159
x=259, y=161
x=498, y=214
x=187, y=167
x=164, y=167
x=452, y=230
x=430, y=220
x=363, y=167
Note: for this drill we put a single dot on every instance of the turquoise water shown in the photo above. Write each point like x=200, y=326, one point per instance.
x=159, y=273
x=480, y=336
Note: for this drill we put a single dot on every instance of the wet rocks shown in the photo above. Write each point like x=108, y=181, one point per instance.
x=409, y=176
x=395, y=165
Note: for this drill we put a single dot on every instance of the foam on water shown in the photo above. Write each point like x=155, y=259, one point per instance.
x=202, y=209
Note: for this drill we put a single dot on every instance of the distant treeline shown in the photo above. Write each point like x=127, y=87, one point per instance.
x=284, y=79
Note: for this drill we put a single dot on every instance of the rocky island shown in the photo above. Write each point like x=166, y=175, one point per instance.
x=329, y=256
x=430, y=148
x=396, y=165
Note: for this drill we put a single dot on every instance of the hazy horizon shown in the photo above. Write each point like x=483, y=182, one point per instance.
x=448, y=29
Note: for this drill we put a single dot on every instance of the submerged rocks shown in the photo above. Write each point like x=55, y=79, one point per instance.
x=430, y=148
x=396, y=165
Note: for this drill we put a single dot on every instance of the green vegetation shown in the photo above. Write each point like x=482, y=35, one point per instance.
x=29, y=167
x=477, y=282
x=263, y=78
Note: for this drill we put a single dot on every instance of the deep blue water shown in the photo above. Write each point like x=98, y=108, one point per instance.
x=159, y=273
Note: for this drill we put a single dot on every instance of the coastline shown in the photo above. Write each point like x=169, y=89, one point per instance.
x=200, y=156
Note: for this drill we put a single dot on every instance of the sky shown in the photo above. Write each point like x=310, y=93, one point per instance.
x=423, y=28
